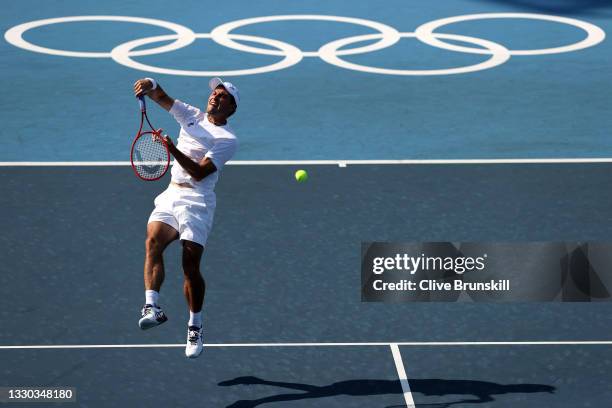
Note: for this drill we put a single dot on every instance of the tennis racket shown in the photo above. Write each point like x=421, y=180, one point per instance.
x=149, y=155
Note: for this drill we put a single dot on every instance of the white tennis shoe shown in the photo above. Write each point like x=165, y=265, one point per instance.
x=152, y=316
x=194, y=342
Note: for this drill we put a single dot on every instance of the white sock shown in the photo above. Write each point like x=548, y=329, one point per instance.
x=195, y=319
x=151, y=297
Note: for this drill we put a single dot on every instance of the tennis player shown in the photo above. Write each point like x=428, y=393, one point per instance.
x=185, y=209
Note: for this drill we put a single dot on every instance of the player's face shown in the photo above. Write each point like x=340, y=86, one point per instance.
x=220, y=102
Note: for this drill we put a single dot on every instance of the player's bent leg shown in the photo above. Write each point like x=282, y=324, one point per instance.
x=194, y=288
x=159, y=235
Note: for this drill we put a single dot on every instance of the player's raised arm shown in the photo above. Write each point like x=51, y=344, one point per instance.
x=148, y=86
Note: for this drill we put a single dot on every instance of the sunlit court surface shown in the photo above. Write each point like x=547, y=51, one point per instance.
x=432, y=124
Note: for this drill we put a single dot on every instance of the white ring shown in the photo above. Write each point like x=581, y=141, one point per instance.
x=388, y=35
x=122, y=55
x=595, y=35
x=292, y=55
x=184, y=36
x=499, y=55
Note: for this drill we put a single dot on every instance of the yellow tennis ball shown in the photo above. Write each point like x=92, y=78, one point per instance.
x=301, y=176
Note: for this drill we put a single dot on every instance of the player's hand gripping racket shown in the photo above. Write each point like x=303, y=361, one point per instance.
x=150, y=156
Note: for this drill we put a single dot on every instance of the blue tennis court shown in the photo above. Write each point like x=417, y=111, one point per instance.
x=469, y=120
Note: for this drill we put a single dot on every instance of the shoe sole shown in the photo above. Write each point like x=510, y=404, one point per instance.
x=147, y=324
x=195, y=356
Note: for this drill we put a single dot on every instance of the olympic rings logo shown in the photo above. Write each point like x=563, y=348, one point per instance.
x=331, y=52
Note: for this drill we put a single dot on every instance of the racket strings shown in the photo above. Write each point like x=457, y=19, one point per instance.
x=150, y=156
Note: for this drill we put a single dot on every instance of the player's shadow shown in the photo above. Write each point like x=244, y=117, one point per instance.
x=480, y=391
x=575, y=7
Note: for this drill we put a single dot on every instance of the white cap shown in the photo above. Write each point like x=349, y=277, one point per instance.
x=229, y=87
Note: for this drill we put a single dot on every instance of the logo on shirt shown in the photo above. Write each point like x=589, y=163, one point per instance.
x=190, y=124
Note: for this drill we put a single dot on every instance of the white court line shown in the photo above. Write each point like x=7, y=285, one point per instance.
x=340, y=163
x=358, y=344
x=401, y=373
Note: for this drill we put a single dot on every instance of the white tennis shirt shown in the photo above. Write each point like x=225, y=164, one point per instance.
x=198, y=139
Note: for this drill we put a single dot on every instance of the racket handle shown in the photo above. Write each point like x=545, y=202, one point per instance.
x=141, y=102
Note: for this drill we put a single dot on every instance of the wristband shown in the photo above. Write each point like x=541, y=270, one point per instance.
x=152, y=82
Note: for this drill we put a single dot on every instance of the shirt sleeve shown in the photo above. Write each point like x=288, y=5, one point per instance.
x=183, y=113
x=222, y=151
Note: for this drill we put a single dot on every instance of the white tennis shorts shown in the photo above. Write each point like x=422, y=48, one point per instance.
x=185, y=210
